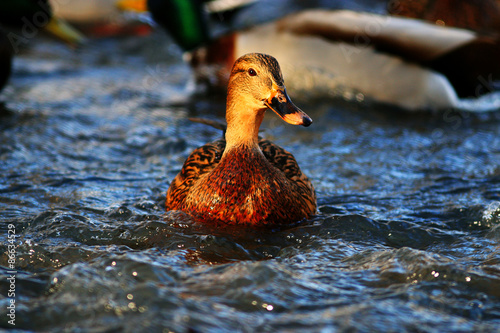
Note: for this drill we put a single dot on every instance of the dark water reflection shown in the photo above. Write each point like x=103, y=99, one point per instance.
x=406, y=238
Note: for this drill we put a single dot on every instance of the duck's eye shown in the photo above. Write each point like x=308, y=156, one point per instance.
x=252, y=72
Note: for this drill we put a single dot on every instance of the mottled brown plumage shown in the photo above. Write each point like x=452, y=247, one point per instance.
x=243, y=179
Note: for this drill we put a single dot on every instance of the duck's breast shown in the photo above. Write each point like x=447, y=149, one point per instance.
x=245, y=188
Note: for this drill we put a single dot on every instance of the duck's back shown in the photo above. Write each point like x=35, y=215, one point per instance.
x=246, y=187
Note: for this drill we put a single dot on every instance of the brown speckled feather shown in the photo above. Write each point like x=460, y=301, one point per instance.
x=201, y=161
x=205, y=159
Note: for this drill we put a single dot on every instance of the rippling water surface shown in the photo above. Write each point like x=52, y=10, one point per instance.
x=406, y=239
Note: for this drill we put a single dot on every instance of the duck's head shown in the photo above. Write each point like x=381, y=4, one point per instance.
x=255, y=85
x=185, y=20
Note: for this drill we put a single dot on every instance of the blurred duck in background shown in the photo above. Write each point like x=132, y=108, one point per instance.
x=98, y=18
x=21, y=20
x=420, y=54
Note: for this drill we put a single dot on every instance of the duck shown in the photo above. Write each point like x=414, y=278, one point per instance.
x=406, y=62
x=21, y=20
x=243, y=179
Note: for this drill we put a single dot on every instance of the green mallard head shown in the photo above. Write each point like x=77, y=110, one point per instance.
x=187, y=21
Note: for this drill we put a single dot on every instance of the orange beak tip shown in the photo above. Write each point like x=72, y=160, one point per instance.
x=298, y=118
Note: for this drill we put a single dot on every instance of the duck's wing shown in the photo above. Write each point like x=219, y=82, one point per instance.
x=284, y=161
x=201, y=161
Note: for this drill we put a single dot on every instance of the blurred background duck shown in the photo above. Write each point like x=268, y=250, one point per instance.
x=391, y=55
x=21, y=20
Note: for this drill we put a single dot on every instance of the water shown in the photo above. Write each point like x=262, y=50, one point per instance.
x=406, y=239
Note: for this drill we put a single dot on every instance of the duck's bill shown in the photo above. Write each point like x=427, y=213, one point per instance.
x=283, y=106
x=63, y=31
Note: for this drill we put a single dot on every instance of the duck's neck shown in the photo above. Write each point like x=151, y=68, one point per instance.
x=243, y=123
